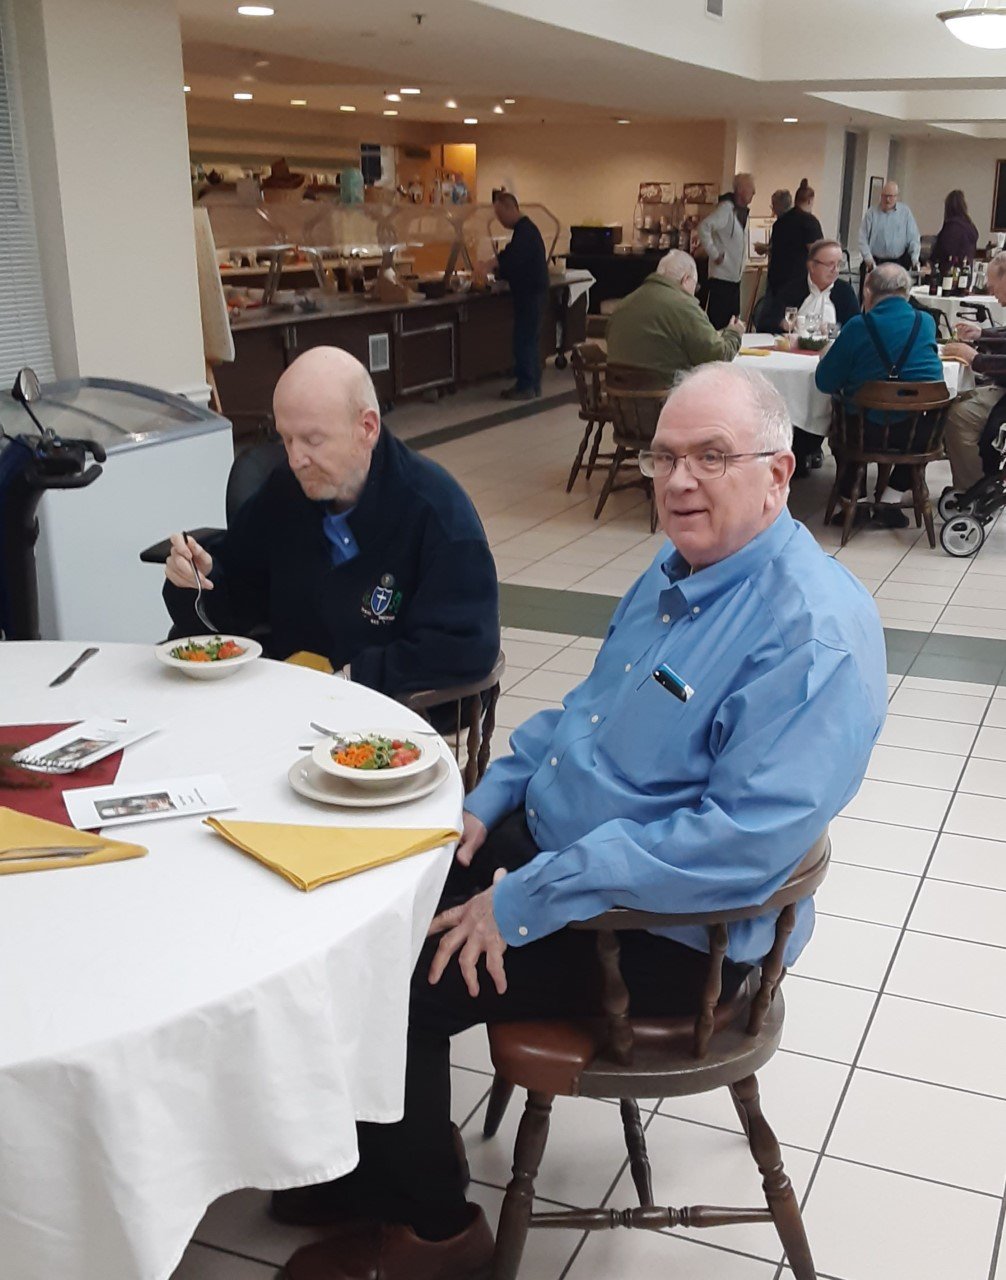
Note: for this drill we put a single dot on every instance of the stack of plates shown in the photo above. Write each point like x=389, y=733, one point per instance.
x=319, y=777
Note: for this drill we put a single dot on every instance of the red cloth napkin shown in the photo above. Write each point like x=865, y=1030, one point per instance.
x=47, y=801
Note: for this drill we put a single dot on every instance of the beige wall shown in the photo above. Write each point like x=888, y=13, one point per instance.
x=780, y=155
x=962, y=162
x=107, y=151
x=594, y=172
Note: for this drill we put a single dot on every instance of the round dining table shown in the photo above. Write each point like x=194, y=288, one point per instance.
x=792, y=375
x=187, y=1023
x=950, y=306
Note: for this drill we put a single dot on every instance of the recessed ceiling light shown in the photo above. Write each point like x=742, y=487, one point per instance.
x=243, y=97
x=509, y=101
x=392, y=97
x=298, y=102
x=186, y=88
x=410, y=91
x=471, y=120
x=255, y=11
x=347, y=107
x=623, y=121
x=497, y=110
x=451, y=105
x=261, y=62
x=392, y=112
x=790, y=120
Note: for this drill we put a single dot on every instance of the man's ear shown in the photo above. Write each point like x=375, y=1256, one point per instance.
x=782, y=465
x=371, y=421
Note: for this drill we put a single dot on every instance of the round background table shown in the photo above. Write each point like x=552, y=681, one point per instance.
x=950, y=306
x=181, y=1025
x=792, y=375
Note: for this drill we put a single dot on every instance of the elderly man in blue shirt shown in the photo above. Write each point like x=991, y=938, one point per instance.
x=628, y=796
x=888, y=233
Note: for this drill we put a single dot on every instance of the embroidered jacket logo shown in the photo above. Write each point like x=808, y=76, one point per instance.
x=382, y=604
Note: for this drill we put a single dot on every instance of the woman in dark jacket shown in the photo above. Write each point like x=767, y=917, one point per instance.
x=958, y=236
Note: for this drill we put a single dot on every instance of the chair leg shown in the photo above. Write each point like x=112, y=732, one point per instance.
x=858, y=485
x=830, y=509
x=499, y=1099
x=635, y=1144
x=595, y=449
x=653, y=508
x=742, y=1115
x=579, y=456
x=923, y=507
x=779, y=1193
x=609, y=482
x=515, y=1215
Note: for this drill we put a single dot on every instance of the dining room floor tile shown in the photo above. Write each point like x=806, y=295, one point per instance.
x=880, y=845
x=961, y=910
x=970, y=860
x=862, y=893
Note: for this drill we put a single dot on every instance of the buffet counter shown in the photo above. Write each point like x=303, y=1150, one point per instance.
x=409, y=347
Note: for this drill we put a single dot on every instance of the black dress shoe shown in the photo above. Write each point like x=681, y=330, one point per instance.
x=816, y=460
x=802, y=469
x=888, y=515
x=520, y=393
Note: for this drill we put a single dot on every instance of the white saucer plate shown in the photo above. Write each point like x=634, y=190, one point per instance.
x=311, y=782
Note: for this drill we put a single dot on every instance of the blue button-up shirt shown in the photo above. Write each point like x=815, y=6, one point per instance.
x=344, y=546
x=638, y=800
x=890, y=233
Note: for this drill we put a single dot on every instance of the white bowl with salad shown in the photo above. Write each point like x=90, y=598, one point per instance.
x=382, y=757
x=208, y=657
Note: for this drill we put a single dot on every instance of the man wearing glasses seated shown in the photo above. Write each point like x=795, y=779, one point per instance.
x=628, y=796
x=818, y=294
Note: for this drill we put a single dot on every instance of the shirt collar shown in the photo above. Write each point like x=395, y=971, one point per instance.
x=701, y=588
x=814, y=290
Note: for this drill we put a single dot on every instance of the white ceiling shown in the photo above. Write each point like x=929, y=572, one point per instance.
x=844, y=61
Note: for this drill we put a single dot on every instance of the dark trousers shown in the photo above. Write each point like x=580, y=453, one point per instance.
x=724, y=302
x=527, y=310
x=804, y=444
x=409, y=1172
x=900, y=438
x=904, y=261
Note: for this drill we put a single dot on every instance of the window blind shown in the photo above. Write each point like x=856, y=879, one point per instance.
x=24, y=332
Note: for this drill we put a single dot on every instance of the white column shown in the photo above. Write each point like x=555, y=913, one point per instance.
x=108, y=154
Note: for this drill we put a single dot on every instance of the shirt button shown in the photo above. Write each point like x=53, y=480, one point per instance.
x=666, y=618
x=530, y=813
x=628, y=665
x=554, y=761
x=696, y=609
x=594, y=719
x=523, y=930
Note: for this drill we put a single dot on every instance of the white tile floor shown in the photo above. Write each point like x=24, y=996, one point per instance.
x=889, y=1093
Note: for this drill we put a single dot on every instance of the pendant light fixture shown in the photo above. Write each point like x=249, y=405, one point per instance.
x=983, y=26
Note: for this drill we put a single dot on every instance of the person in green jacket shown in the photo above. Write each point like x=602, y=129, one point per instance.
x=661, y=326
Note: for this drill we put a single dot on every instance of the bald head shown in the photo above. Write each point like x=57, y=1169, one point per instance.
x=328, y=417
x=744, y=189
x=889, y=196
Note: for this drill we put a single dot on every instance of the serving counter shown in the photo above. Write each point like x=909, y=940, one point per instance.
x=438, y=343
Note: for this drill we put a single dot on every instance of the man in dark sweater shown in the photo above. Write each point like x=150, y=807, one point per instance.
x=817, y=292
x=523, y=266
x=358, y=549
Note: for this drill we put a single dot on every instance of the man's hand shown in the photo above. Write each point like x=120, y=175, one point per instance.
x=718, y=262
x=967, y=331
x=471, y=928
x=870, y=264
x=473, y=837
x=736, y=325
x=178, y=566
x=959, y=351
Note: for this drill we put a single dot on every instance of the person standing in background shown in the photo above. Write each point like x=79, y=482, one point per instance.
x=795, y=230
x=888, y=233
x=958, y=237
x=724, y=238
x=523, y=265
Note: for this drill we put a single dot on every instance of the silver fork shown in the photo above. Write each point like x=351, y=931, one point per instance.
x=200, y=611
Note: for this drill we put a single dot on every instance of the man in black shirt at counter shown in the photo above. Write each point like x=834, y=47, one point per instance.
x=522, y=264
x=358, y=549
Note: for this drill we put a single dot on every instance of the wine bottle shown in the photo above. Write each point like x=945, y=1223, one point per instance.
x=934, y=279
x=948, y=276
x=964, y=283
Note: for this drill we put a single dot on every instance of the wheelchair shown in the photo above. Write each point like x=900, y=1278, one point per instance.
x=967, y=514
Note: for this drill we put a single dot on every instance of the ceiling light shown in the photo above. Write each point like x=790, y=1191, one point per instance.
x=410, y=92
x=623, y=121
x=392, y=97
x=186, y=88
x=392, y=112
x=261, y=62
x=985, y=28
x=243, y=97
x=298, y=102
x=790, y=120
x=255, y=11
x=509, y=101
x=497, y=110
x=451, y=105
x=347, y=107
x=471, y=120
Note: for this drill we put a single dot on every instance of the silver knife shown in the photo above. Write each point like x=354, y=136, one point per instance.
x=79, y=662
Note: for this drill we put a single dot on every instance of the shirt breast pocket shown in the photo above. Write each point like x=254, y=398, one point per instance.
x=653, y=739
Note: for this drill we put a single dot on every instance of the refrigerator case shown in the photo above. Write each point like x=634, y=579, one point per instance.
x=167, y=468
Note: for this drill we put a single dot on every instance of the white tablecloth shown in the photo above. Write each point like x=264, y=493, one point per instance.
x=179, y=1026
x=792, y=375
x=951, y=306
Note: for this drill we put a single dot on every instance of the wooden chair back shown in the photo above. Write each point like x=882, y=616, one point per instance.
x=915, y=410
x=634, y=415
x=632, y=377
x=475, y=712
x=589, y=362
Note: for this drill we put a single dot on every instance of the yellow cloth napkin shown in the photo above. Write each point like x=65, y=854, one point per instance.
x=310, y=856
x=21, y=831
x=304, y=658
x=754, y=351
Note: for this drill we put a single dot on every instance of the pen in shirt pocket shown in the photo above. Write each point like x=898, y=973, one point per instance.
x=670, y=680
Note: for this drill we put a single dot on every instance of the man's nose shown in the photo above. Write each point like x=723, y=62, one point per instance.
x=681, y=479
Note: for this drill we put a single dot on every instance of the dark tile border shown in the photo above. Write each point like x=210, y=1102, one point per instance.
x=458, y=430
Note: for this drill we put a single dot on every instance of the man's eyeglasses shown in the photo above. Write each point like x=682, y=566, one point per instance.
x=832, y=266
x=707, y=464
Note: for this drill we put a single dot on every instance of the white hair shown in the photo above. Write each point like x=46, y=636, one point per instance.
x=888, y=280
x=677, y=265
x=997, y=263
x=773, y=429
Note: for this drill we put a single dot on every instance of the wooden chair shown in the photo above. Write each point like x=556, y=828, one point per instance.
x=475, y=712
x=914, y=411
x=635, y=397
x=618, y=1056
x=589, y=362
